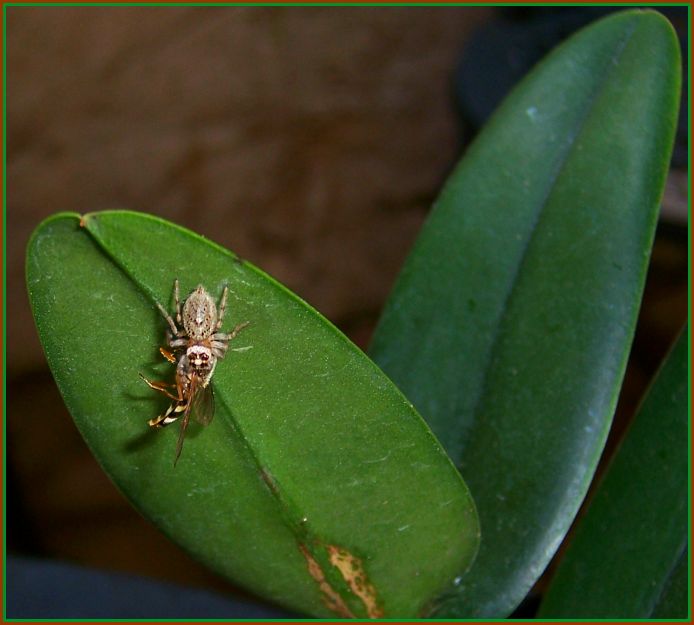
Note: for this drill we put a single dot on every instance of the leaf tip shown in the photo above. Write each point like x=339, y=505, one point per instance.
x=87, y=219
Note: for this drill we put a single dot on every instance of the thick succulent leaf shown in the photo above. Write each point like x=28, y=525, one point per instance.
x=317, y=485
x=510, y=324
x=632, y=539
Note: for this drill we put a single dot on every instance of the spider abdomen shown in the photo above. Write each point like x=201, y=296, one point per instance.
x=199, y=315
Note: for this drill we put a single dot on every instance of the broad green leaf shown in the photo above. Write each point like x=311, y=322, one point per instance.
x=674, y=599
x=510, y=324
x=317, y=485
x=633, y=536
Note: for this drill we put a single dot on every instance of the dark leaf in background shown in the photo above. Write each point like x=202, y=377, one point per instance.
x=628, y=557
x=511, y=322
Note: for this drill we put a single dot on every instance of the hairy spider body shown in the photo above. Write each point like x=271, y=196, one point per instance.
x=196, y=345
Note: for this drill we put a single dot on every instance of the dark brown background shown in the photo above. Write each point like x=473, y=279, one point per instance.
x=309, y=140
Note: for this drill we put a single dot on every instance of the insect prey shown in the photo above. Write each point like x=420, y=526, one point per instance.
x=194, y=344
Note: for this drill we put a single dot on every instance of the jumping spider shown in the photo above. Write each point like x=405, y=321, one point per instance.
x=194, y=343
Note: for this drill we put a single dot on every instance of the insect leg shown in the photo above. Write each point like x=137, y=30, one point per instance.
x=162, y=386
x=222, y=308
x=169, y=356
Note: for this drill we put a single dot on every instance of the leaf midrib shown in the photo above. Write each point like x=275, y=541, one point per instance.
x=562, y=159
x=290, y=514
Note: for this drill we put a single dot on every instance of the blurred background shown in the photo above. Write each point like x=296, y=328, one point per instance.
x=311, y=141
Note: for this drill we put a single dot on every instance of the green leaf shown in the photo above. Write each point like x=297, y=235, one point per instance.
x=510, y=324
x=633, y=536
x=317, y=485
x=674, y=598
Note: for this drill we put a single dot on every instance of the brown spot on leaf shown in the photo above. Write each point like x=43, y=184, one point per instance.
x=269, y=480
x=331, y=599
x=352, y=571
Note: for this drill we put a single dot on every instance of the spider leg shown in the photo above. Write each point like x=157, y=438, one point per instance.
x=222, y=308
x=219, y=352
x=237, y=329
x=224, y=337
x=168, y=318
x=178, y=302
x=176, y=343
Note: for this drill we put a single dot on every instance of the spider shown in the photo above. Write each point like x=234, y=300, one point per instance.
x=195, y=344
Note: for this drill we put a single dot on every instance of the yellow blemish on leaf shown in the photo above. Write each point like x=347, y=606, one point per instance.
x=352, y=571
x=331, y=599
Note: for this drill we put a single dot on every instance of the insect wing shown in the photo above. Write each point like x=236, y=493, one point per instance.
x=202, y=404
x=189, y=392
x=182, y=433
